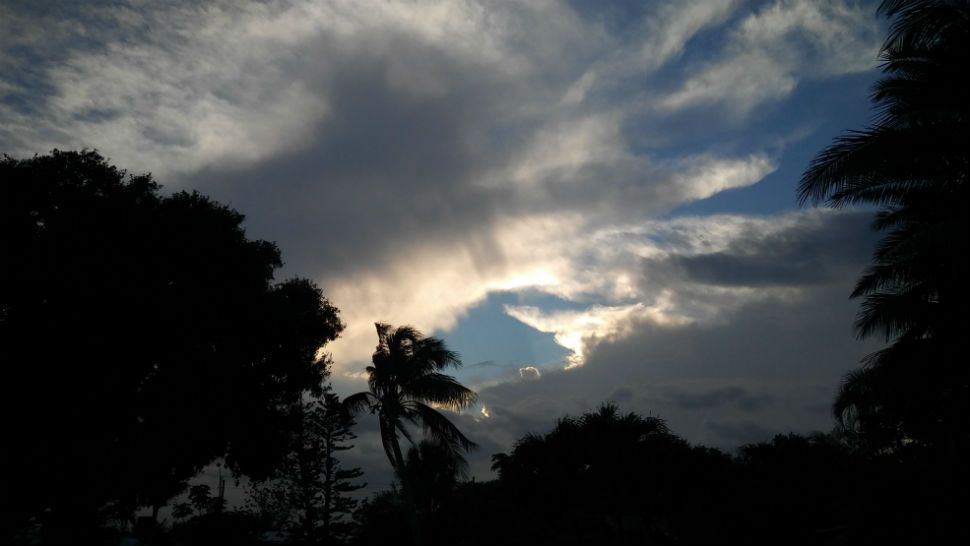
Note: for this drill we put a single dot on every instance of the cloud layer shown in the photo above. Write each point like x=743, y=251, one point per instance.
x=745, y=369
x=417, y=157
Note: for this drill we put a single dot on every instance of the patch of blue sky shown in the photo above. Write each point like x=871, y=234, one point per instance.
x=793, y=131
x=475, y=338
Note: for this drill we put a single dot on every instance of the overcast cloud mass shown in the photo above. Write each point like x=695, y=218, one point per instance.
x=591, y=200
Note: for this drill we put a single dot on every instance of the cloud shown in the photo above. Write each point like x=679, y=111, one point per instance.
x=621, y=394
x=693, y=270
x=661, y=36
x=763, y=362
x=775, y=47
x=718, y=397
x=773, y=363
x=573, y=329
x=414, y=157
x=814, y=251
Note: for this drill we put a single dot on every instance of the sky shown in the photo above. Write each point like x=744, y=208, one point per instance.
x=589, y=200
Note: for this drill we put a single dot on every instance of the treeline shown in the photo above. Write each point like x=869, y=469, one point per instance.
x=607, y=477
x=142, y=336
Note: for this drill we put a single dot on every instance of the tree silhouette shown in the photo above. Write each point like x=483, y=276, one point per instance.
x=336, y=430
x=912, y=162
x=608, y=477
x=141, y=337
x=309, y=491
x=404, y=382
x=434, y=470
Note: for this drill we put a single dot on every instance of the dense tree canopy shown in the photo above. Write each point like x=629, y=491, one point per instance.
x=592, y=473
x=141, y=336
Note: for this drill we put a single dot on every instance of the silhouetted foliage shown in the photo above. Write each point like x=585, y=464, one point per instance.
x=203, y=502
x=434, y=470
x=141, y=337
x=227, y=527
x=338, y=482
x=380, y=519
x=611, y=478
x=309, y=494
x=607, y=476
x=913, y=163
x=404, y=379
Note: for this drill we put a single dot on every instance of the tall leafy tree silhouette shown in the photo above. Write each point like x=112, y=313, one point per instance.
x=141, y=336
x=404, y=382
x=336, y=429
x=309, y=491
x=912, y=163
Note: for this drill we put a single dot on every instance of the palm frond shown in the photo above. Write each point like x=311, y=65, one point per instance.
x=881, y=165
x=440, y=389
x=438, y=426
x=922, y=24
x=404, y=431
x=432, y=352
x=360, y=401
x=887, y=278
x=895, y=313
x=855, y=392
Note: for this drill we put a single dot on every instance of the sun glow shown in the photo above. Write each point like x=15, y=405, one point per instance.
x=528, y=280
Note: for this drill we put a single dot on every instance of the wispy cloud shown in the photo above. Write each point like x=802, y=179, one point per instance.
x=775, y=47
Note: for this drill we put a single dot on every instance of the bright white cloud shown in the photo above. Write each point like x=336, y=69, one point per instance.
x=574, y=329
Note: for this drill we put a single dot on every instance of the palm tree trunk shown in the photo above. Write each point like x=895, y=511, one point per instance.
x=407, y=490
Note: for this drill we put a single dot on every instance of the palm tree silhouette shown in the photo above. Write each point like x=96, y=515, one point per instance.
x=405, y=382
x=912, y=162
x=435, y=470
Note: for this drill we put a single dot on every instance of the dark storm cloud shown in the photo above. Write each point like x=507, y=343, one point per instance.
x=714, y=398
x=803, y=253
x=622, y=394
x=383, y=167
